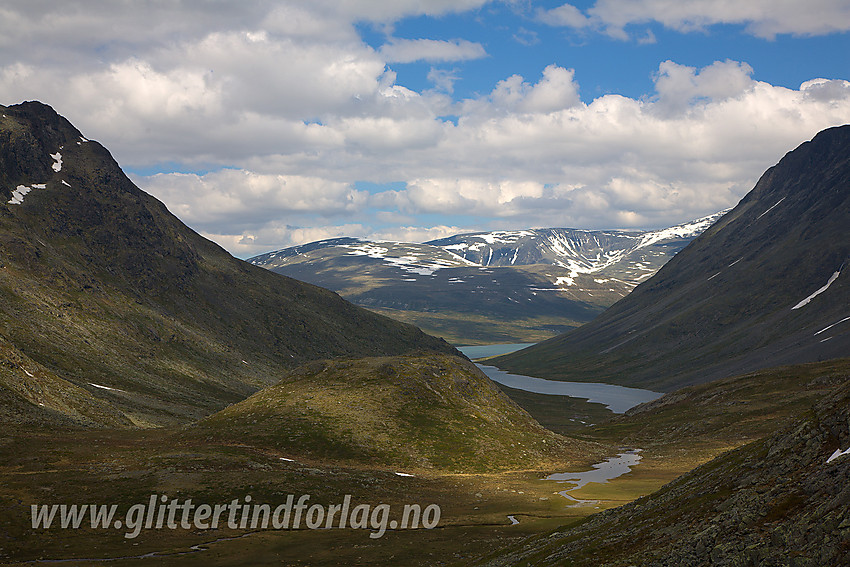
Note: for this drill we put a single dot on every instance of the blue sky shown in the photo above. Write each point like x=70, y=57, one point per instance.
x=264, y=124
x=517, y=42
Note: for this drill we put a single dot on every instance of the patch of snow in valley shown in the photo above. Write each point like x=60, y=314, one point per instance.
x=818, y=292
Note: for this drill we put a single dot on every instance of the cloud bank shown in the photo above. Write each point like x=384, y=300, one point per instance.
x=762, y=18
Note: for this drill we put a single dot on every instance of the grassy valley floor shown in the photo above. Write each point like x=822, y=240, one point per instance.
x=80, y=466
x=127, y=467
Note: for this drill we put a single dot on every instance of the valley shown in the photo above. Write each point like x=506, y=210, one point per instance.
x=126, y=467
x=486, y=288
x=141, y=363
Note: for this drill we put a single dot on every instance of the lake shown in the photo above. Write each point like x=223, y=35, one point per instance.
x=617, y=398
x=483, y=351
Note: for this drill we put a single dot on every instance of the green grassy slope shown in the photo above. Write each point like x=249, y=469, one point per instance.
x=418, y=412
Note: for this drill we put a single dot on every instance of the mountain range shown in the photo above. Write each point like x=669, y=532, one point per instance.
x=488, y=287
x=765, y=285
x=114, y=312
x=138, y=358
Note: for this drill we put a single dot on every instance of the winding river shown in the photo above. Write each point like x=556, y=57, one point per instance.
x=601, y=473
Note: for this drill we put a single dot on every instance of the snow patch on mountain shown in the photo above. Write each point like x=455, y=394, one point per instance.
x=57, y=159
x=408, y=257
x=838, y=453
x=831, y=326
x=819, y=291
x=687, y=230
x=106, y=387
x=770, y=209
x=504, y=236
x=18, y=195
x=370, y=250
x=21, y=191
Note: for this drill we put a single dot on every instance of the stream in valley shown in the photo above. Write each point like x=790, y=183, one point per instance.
x=617, y=398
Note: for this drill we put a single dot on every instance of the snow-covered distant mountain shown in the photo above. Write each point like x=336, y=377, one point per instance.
x=418, y=259
x=510, y=286
x=633, y=255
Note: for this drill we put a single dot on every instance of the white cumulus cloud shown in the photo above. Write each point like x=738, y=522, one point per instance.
x=431, y=50
x=286, y=108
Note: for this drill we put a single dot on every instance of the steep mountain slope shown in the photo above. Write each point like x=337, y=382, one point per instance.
x=419, y=412
x=507, y=286
x=766, y=285
x=783, y=500
x=102, y=288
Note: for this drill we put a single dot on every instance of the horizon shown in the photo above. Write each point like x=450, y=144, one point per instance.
x=474, y=233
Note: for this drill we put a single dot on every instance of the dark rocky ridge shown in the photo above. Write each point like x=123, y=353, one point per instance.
x=724, y=304
x=100, y=284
